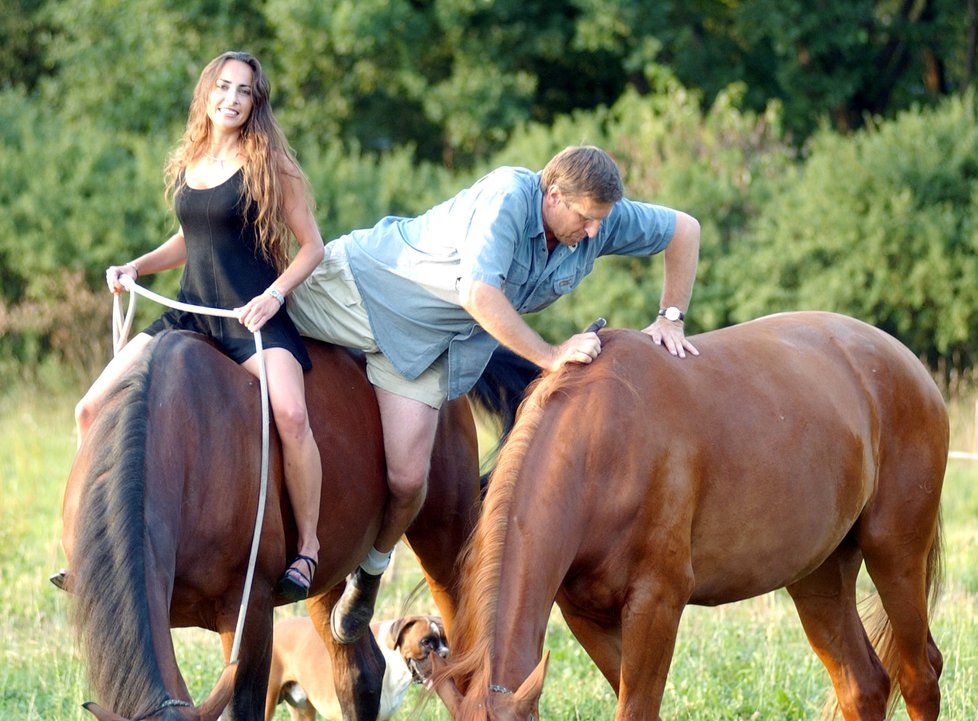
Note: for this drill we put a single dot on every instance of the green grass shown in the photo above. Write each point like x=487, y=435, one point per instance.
x=742, y=661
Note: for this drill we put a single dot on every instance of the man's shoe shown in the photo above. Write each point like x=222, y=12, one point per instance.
x=350, y=617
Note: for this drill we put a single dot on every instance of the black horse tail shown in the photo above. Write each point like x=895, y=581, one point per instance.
x=109, y=606
x=498, y=394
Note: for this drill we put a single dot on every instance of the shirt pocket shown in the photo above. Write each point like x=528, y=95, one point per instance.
x=516, y=277
x=564, y=283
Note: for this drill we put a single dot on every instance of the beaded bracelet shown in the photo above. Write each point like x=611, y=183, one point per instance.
x=274, y=292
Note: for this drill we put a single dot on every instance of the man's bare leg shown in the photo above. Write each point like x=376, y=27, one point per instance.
x=409, y=434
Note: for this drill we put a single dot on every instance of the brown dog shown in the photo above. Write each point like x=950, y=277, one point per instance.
x=302, y=674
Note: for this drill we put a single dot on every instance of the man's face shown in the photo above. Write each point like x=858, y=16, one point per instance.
x=569, y=220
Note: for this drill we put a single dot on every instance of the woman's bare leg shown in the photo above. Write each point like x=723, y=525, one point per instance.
x=303, y=471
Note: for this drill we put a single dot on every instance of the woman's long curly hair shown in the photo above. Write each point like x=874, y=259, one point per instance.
x=265, y=150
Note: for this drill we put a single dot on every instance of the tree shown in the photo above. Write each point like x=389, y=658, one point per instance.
x=882, y=226
x=132, y=65
x=22, y=30
x=842, y=59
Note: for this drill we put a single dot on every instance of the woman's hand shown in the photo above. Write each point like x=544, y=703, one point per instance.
x=114, y=272
x=259, y=310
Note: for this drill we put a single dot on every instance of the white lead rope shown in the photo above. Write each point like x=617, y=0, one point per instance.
x=120, y=335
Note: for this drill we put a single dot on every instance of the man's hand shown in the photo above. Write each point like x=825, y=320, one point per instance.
x=670, y=334
x=580, y=348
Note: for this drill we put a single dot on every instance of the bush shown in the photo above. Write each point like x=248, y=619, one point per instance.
x=67, y=323
x=880, y=226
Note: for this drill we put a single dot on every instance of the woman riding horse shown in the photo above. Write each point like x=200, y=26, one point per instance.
x=168, y=482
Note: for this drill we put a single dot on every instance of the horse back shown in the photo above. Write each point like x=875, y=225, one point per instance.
x=748, y=464
x=203, y=470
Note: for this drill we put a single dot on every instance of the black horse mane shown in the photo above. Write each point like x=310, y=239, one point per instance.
x=108, y=600
x=499, y=393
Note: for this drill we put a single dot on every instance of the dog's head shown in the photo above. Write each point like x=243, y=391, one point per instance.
x=416, y=637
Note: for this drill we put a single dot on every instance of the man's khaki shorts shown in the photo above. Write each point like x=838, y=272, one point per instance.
x=328, y=307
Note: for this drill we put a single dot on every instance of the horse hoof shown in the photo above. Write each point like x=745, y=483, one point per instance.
x=350, y=617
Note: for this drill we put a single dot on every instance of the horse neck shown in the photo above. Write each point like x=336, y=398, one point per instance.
x=510, y=578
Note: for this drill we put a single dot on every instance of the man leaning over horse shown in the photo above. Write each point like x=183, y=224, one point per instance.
x=429, y=298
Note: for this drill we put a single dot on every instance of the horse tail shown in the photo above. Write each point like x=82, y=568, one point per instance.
x=109, y=605
x=880, y=631
x=499, y=392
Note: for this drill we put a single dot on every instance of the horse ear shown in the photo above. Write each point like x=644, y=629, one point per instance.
x=444, y=685
x=527, y=696
x=100, y=713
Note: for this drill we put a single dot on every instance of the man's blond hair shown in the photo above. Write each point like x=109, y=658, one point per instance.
x=584, y=172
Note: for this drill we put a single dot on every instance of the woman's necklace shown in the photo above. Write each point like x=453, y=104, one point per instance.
x=219, y=160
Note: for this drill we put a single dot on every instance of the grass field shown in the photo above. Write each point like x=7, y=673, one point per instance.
x=743, y=661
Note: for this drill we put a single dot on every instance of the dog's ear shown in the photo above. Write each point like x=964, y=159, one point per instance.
x=398, y=628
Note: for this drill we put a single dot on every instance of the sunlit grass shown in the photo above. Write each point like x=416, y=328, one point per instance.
x=742, y=661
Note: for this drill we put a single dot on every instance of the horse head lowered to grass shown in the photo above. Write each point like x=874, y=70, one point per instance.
x=792, y=450
x=167, y=488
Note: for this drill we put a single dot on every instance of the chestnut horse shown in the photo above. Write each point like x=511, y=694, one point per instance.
x=791, y=450
x=168, y=483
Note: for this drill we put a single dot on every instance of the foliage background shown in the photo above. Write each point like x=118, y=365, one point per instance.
x=829, y=152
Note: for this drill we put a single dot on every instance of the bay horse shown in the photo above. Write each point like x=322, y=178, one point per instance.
x=166, y=484
x=791, y=450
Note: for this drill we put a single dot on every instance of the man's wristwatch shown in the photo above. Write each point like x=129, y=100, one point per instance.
x=672, y=313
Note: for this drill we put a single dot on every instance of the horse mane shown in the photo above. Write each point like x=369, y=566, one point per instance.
x=482, y=557
x=481, y=560
x=498, y=394
x=108, y=600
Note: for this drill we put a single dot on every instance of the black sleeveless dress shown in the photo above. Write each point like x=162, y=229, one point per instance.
x=225, y=269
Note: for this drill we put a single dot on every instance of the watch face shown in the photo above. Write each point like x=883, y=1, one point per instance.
x=672, y=313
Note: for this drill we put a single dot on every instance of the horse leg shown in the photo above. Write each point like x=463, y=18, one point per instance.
x=602, y=644
x=358, y=668
x=444, y=598
x=649, y=626
x=435, y=539
x=900, y=577
x=254, y=658
x=826, y=604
